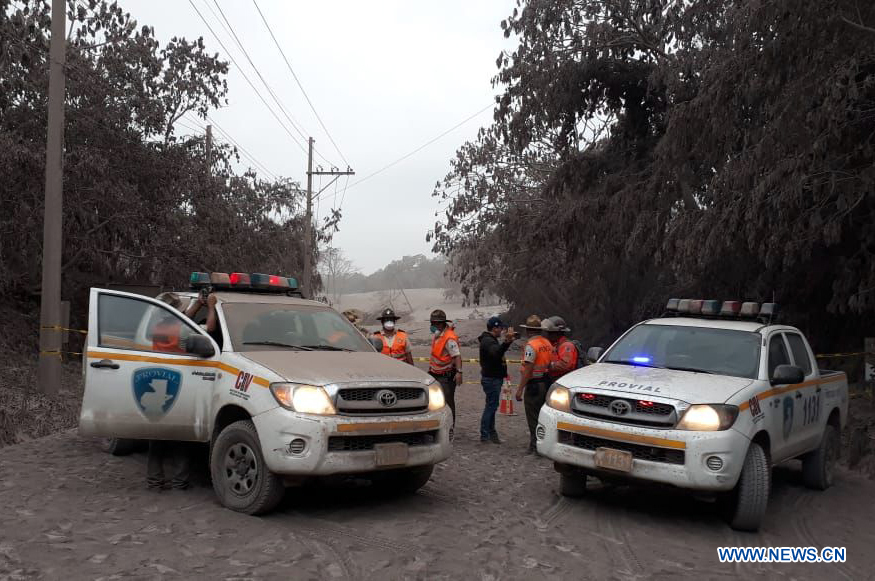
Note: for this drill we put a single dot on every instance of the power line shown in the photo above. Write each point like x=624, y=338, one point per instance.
x=242, y=149
x=418, y=149
x=295, y=124
x=300, y=86
x=260, y=96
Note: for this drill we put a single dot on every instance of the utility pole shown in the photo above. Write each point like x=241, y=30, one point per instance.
x=49, y=370
x=209, y=150
x=310, y=235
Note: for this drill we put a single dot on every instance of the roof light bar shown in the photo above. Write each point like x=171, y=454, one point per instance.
x=711, y=308
x=749, y=309
x=696, y=306
x=730, y=308
x=684, y=306
x=672, y=305
x=220, y=279
x=240, y=280
x=769, y=310
x=199, y=280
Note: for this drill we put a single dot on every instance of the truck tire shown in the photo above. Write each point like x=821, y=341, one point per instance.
x=572, y=485
x=120, y=446
x=240, y=475
x=818, y=466
x=404, y=480
x=749, y=499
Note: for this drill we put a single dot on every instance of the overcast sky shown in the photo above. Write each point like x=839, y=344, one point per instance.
x=385, y=77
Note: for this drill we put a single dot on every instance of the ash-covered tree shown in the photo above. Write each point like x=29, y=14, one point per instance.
x=643, y=148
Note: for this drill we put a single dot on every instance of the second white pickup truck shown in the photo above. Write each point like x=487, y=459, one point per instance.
x=707, y=398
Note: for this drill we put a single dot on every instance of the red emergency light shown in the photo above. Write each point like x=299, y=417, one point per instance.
x=240, y=279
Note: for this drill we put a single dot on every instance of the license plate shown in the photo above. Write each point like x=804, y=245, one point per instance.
x=392, y=454
x=613, y=459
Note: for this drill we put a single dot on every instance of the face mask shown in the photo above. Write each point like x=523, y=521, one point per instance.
x=389, y=325
x=434, y=330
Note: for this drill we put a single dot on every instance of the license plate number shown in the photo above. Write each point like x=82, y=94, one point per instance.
x=391, y=454
x=613, y=459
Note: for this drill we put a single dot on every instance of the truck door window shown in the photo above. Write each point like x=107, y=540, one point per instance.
x=800, y=353
x=777, y=353
x=127, y=323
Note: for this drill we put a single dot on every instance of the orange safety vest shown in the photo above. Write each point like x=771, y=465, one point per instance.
x=543, y=355
x=398, y=350
x=565, y=351
x=441, y=361
x=165, y=337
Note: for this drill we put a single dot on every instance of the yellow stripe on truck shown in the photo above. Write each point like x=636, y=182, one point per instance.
x=185, y=361
x=622, y=436
x=793, y=387
x=389, y=427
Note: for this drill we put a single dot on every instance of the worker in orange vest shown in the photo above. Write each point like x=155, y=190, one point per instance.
x=565, y=354
x=395, y=342
x=534, y=377
x=446, y=358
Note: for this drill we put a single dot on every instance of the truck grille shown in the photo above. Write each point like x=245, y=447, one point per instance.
x=359, y=443
x=367, y=400
x=369, y=393
x=639, y=451
x=640, y=412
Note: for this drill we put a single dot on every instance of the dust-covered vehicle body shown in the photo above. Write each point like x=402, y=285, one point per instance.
x=707, y=400
x=283, y=389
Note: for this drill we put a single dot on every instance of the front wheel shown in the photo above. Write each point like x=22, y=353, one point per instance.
x=749, y=499
x=818, y=466
x=241, y=478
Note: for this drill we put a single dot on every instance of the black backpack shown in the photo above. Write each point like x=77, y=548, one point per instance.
x=581, y=353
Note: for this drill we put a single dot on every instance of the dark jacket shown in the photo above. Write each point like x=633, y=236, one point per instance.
x=492, y=363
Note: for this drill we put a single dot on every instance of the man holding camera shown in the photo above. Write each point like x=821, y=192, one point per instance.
x=493, y=371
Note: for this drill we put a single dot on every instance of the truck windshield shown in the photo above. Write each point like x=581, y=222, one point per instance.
x=699, y=349
x=276, y=327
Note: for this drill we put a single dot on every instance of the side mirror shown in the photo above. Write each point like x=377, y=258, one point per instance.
x=200, y=346
x=787, y=374
x=376, y=343
x=593, y=354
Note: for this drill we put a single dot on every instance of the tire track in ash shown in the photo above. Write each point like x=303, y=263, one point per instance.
x=800, y=508
x=330, y=553
x=613, y=541
x=552, y=514
x=320, y=530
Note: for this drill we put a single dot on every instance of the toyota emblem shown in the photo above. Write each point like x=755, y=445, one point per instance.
x=387, y=397
x=620, y=407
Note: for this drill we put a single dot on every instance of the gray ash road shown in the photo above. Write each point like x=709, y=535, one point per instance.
x=71, y=511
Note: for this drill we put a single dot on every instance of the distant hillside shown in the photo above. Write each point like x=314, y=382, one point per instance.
x=416, y=271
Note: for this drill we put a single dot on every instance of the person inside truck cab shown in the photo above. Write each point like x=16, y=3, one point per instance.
x=166, y=333
x=210, y=324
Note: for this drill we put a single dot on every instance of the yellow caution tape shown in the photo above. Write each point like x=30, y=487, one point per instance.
x=59, y=328
x=58, y=353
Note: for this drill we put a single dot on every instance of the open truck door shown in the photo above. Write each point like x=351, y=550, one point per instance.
x=149, y=370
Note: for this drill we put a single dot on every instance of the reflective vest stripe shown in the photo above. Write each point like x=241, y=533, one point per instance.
x=543, y=355
x=441, y=361
x=165, y=337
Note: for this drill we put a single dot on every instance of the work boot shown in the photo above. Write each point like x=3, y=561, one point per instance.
x=155, y=484
x=494, y=438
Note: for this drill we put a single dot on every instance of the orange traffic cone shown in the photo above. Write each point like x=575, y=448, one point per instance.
x=505, y=406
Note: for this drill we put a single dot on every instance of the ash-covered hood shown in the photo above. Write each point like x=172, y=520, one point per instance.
x=686, y=386
x=326, y=367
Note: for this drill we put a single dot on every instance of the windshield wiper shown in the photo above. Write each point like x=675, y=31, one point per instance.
x=692, y=369
x=278, y=344
x=326, y=348
x=632, y=363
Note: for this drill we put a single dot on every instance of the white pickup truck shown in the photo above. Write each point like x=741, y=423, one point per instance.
x=283, y=389
x=707, y=398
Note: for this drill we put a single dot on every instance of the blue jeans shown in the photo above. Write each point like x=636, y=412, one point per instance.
x=492, y=389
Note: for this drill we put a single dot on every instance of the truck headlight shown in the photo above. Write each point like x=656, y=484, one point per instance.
x=708, y=418
x=435, y=397
x=306, y=399
x=559, y=398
